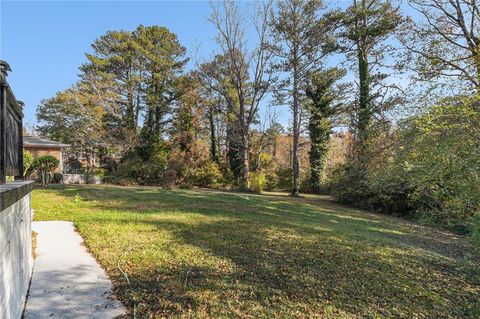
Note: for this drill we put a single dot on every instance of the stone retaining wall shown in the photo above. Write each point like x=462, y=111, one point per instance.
x=80, y=179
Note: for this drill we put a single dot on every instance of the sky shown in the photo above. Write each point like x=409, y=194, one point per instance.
x=44, y=42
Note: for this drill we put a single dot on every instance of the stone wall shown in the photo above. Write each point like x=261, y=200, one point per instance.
x=80, y=179
x=16, y=260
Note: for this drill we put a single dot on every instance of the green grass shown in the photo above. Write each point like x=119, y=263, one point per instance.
x=208, y=254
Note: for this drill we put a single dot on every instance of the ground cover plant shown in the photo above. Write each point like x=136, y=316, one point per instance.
x=212, y=254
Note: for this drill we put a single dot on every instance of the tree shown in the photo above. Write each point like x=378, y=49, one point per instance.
x=74, y=116
x=321, y=95
x=115, y=62
x=211, y=101
x=135, y=75
x=27, y=162
x=246, y=69
x=189, y=152
x=184, y=129
x=212, y=111
x=302, y=41
x=45, y=165
x=224, y=100
x=367, y=24
x=444, y=44
x=163, y=59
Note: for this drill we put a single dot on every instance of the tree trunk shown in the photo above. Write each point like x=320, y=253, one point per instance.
x=245, y=185
x=130, y=114
x=137, y=110
x=364, y=107
x=213, y=138
x=296, y=131
x=296, y=168
x=476, y=59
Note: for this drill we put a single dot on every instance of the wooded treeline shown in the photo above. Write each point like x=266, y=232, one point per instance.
x=398, y=85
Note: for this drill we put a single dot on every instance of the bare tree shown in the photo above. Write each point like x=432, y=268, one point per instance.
x=445, y=41
x=246, y=68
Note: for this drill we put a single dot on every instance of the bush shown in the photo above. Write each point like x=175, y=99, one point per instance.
x=134, y=169
x=209, y=175
x=284, y=178
x=27, y=162
x=257, y=181
x=109, y=164
x=228, y=178
x=57, y=178
x=427, y=168
x=92, y=178
x=45, y=165
x=346, y=186
x=271, y=181
x=306, y=184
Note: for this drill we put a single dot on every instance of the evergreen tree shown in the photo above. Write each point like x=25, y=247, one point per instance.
x=321, y=95
x=367, y=23
x=115, y=62
x=136, y=74
x=302, y=40
x=162, y=58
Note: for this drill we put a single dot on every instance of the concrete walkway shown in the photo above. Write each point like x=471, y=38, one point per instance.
x=67, y=281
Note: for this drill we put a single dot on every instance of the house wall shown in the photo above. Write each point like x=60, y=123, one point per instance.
x=16, y=260
x=41, y=151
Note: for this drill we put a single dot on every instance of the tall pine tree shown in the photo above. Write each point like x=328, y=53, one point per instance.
x=321, y=96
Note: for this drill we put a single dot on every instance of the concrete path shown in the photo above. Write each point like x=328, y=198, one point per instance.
x=67, y=281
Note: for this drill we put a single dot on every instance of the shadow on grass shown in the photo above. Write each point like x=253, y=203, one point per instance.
x=279, y=257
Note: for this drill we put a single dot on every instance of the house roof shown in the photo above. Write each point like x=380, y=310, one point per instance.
x=32, y=141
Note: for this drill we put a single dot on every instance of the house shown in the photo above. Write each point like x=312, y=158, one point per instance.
x=39, y=147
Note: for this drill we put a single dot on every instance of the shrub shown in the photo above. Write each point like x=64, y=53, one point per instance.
x=209, y=175
x=257, y=181
x=57, y=178
x=284, y=178
x=426, y=169
x=109, y=164
x=228, y=178
x=346, y=186
x=99, y=172
x=140, y=172
x=271, y=181
x=45, y=165
x=27, y=162
x=306, y=185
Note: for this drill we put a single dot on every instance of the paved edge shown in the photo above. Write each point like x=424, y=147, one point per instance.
x=67, y=281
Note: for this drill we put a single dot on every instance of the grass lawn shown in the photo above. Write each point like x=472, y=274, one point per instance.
x=208, y=254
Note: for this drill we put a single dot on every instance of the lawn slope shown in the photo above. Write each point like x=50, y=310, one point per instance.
x=208, y=254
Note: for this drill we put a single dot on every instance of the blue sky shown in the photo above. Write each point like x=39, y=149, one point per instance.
x=45, y=42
